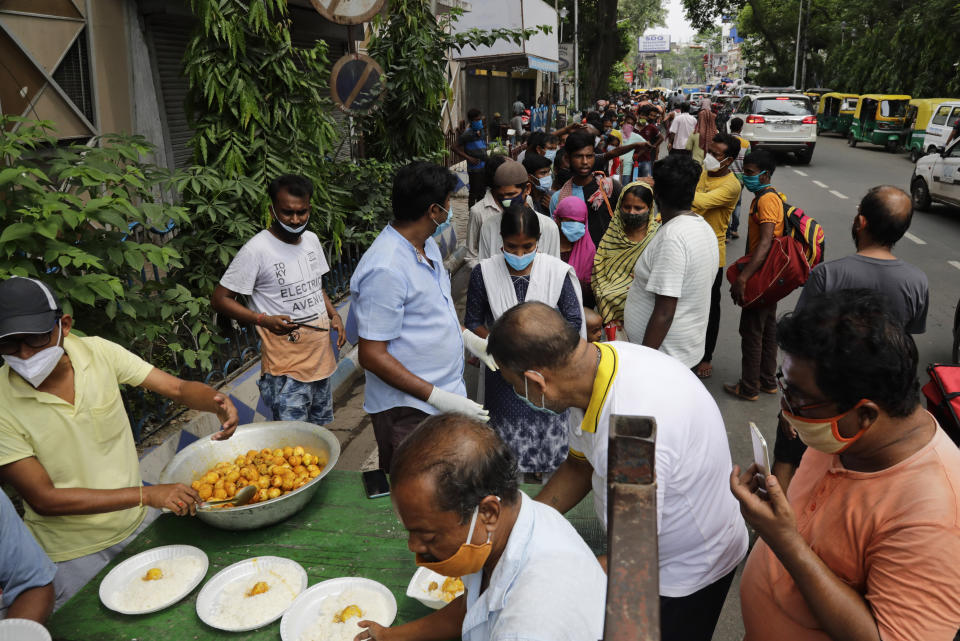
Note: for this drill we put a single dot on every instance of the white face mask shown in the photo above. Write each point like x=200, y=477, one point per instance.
x=711, y=163
x=37, y=368
x=296, y=231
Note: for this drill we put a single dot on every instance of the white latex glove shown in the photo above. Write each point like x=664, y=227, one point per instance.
x=449, y=402
x=478, y=347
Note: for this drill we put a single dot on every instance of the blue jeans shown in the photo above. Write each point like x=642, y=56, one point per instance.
x=644, y=168
x=293, y=400
x=734, y=219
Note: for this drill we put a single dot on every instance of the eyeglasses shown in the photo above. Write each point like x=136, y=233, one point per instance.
x=799, y=410
x=11, y=345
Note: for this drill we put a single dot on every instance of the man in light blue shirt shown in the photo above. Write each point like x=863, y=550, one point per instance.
x=410, y=339
x=528, y=575
x=26, y=573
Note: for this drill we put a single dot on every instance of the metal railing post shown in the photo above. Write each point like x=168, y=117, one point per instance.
x=633, y=568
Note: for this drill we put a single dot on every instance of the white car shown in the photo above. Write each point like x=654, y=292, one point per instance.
x=779, y=122
x=936, y=178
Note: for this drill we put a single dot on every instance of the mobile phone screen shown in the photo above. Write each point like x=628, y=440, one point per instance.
x=375, y=483
x=760, y=455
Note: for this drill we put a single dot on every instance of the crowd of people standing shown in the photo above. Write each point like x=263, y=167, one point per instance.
x=597, y=265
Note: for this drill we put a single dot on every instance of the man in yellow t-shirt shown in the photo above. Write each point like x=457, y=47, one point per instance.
x=717, y=194
x=758, y=325
x=65, y=440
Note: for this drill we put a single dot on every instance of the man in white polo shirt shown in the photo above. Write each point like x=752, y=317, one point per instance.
x=528, y=575
x=702, y=536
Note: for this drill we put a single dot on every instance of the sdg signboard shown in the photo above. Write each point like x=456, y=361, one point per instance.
x=654, y=43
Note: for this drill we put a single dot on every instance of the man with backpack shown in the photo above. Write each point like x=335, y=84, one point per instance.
x=758, y=324
x=882, y=218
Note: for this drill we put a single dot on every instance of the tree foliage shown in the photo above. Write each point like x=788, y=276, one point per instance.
x=878, y=46
x=608, y=34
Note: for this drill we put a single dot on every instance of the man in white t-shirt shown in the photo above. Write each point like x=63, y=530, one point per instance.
x=701, y=535
x=281, y=271
x=680, y=130
x=668, y=303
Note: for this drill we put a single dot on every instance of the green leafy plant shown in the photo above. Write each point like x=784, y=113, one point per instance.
x=91, y=221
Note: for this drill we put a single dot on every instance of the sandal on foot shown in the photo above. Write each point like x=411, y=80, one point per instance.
x=703, y=370
x=734, y=390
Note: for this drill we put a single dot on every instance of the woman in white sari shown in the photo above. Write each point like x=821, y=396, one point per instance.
x=518, y=274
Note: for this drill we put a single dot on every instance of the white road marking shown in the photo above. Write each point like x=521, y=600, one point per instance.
x=801, y=173
x=838, y=194
x=955, y=263
x=915, y=239
x=820, y=184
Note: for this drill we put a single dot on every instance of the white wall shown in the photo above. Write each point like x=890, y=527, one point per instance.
x=512, y=14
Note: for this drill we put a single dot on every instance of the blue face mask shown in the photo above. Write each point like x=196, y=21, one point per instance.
x=550, y=154
x=442, y=226
x=752, y=183
x=519, y=263
x=546, y=183
x=476, y=125
x=542, y=407
x=573, y=230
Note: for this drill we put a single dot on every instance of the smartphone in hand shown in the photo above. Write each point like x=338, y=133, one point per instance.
x=761, y=455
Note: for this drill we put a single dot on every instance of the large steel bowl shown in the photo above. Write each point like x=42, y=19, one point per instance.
x=193, y=461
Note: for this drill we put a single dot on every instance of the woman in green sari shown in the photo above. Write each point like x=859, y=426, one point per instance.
x=630, y=231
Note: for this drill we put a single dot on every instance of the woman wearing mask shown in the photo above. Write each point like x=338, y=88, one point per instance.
x=706, y=129
x=630, y=231
x=519, y=274
x=576, y=245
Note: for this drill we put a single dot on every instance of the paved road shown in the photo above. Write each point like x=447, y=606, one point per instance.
x=829, y=189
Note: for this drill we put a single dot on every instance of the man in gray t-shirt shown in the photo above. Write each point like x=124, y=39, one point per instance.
x=882, y=219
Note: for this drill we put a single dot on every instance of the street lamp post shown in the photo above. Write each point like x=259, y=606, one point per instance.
x=576, y=55
x=796, y=58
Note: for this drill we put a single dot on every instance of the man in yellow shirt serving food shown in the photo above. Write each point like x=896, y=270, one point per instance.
x=65, y=439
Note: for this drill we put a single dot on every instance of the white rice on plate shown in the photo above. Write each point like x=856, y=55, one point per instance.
x=373, y=605
x=234, y=609
x=178, y=574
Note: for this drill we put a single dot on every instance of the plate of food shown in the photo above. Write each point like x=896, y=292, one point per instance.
x=432, y=589
x=22, y=630
x=331, y=610
x=250, y=594
x=153, y=580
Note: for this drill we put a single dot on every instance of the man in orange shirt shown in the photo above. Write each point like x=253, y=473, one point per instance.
x=867, y=545
x=758, y=325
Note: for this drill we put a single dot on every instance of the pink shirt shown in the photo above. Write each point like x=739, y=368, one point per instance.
x=893, y=535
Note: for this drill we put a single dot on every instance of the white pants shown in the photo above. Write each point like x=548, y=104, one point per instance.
x=72, y=575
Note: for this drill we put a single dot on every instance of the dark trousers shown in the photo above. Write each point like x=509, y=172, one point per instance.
x=390, y=427
x=713, y=322
x=758, y=344
x=694, y=617
x=786, y=449
x=478, y=186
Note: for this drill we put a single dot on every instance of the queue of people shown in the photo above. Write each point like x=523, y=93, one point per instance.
x=594, y=292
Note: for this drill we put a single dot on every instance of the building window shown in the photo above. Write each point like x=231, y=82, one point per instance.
x=73, y=76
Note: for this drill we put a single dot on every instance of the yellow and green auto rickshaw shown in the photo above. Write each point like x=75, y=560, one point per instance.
x=919, y=112
x=835, y=112
x=879, y=120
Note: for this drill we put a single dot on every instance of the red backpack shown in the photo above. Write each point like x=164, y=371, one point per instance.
x=802, y=228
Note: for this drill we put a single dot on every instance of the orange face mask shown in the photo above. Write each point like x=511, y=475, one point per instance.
x=469, y=559
x=824, y=433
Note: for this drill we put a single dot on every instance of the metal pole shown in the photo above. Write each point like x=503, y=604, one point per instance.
x=576, y=55
x=796, y=57
x=803, y=68
x=633, y=587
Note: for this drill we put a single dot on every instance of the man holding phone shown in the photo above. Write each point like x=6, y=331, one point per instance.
x=281, y=270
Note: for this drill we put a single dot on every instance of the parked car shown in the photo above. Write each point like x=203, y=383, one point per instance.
x=936, y=178
x=779, y=122
x=940, y=125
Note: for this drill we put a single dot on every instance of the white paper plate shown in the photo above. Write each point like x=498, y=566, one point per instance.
x=22, y=630
x=304, y=612
x=243, y=571
x=120, y=576
x=417, y=589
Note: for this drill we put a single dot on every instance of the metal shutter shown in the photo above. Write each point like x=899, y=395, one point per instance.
x=168, y=37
